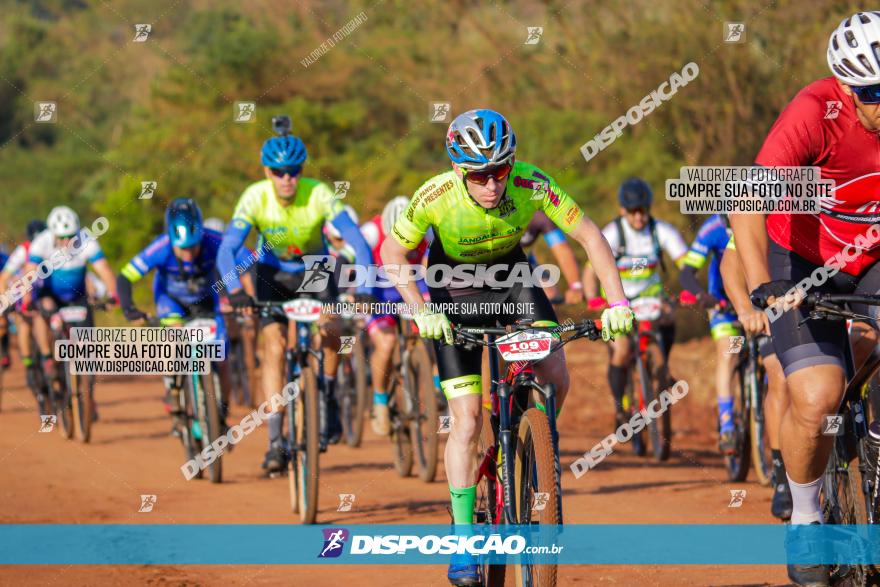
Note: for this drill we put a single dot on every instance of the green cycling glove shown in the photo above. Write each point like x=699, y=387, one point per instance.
x=434, y=325
x=616, y=320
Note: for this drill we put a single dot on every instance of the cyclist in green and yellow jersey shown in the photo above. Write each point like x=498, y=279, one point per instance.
x=288, y=211
x=478, y=212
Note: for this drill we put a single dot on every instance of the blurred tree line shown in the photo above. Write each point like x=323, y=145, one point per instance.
x=163, y=109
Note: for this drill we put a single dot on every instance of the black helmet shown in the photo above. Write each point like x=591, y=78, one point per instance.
x=635, y=193
x=35, y=227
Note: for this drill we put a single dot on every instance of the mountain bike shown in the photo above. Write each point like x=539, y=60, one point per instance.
x=197, y=400
x=851, y=489
x=412, y=403
x=752, y=441
x=306, y=415
x=74, y=392
x=519, y=473
x=648, y=375
x=352, y=380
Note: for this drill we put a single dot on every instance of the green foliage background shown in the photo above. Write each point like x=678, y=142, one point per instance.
x=163, y=110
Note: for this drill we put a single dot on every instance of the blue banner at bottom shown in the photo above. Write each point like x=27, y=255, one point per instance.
x=178, y=544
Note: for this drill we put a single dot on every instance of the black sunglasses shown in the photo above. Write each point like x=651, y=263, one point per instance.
x=292, y=171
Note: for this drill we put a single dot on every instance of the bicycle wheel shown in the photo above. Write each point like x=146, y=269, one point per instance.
x=487, y=509
x=64, y=392
x=398, y=407
x=352, y=385
x=209, y=400
x=537, y=489
x=631, y=405
x=843, y=503
x=423, y=419
x=654, y=379
x=759, y=436
x=83, y=405
x=307, y=447
x=738, y=463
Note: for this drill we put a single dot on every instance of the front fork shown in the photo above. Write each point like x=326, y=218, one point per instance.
x=304, y=349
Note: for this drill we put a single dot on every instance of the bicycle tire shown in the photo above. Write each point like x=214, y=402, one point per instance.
x=398, y=408
x=654, y=380
x=236, y=373
x=353, y=386
x=307, y=438
x=65, y=405
x=423, y=418
x=762, y=460
x=290, y=413
x=738, y=463
x=209, y=413
x=486, y=508
x=630, y=407
x=843, y=503
x=535, y=472
x=84, y=406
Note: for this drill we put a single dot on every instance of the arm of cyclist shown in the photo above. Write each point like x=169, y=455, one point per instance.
x=564, y=254
x=431, y=324
x=105, y=274
x=618, y=319
x=687, y=277
x=750, y=235
x=754, y=321
x=351, y=234
x=230, y=248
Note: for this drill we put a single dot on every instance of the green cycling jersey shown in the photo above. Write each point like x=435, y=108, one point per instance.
x=469, y=233
x=292, y=231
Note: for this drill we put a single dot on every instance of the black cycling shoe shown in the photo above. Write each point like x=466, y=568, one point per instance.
x=276, y=458
x=781, y=505
x=806, y=575
x=810, y=575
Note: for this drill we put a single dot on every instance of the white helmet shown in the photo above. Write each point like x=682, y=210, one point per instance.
x=332, y=232
x=392, y=212
x=854, y=50
x=214, y=224
x=63, y=222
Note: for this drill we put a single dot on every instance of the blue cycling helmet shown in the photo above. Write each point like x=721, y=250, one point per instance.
x=635, y=193
x=283, y=151
x=183, y=223
x=35, y=227
x=479, y=139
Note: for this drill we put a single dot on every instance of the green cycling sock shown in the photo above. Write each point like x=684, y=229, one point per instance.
x=463, y=500
x=543, y=408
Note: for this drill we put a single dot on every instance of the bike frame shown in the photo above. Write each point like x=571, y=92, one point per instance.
x=504, y=420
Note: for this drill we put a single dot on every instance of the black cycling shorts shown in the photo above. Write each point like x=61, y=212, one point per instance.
x=815, y=342
x=455, y=363
x=275, y=285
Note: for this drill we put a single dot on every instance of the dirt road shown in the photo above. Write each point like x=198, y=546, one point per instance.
x=47, y=479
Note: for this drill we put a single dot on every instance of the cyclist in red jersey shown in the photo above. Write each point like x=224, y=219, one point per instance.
x=833, y=124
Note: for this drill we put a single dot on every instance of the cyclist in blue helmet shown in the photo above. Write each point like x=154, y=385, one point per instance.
x=288, y=212
x=185, y=286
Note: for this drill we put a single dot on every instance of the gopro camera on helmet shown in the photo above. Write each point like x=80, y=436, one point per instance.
x=281, y=125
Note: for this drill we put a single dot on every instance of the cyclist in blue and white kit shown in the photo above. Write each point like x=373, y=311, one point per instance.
x=66, y=284
x=711, y=240
x=185, y=260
